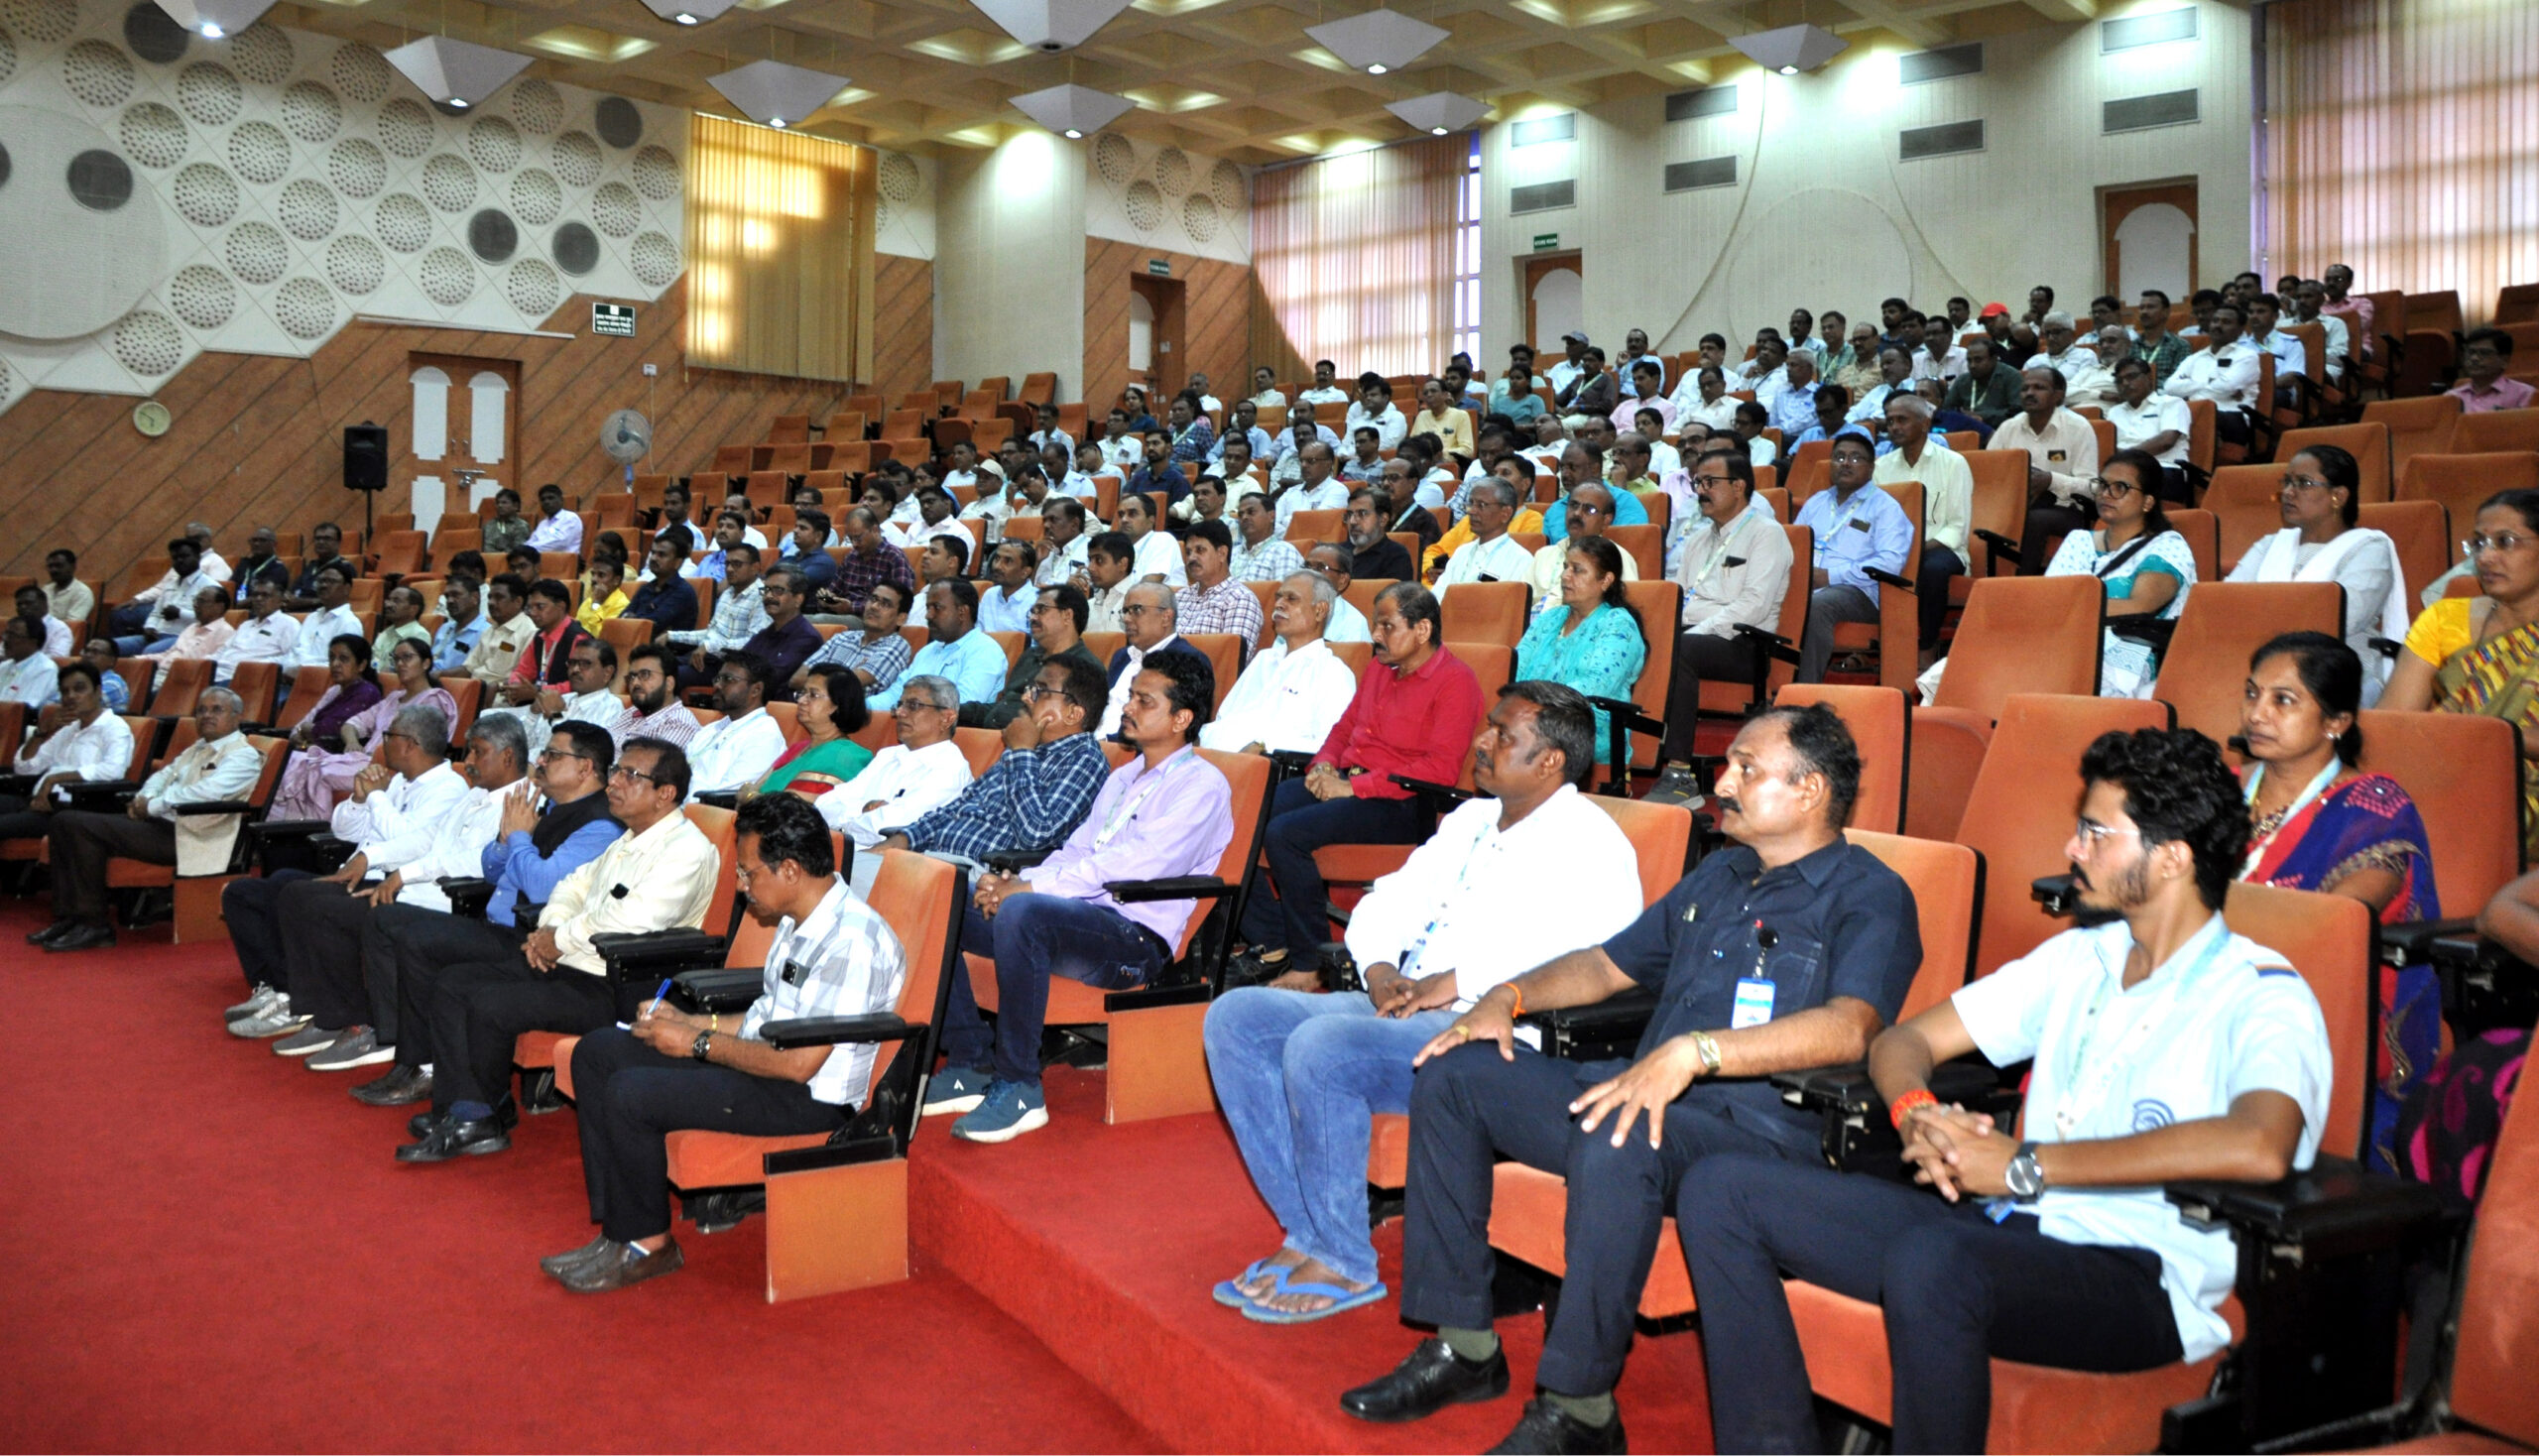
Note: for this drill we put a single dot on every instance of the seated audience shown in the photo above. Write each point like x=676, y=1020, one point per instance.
x=1153, y=619
x=84, y=743
x=1006, y=603
x=2482, y=388
x=788, y=639
x=1215, y=601
x=1037, y=791
x=1789, y=949
x=2062, y=463
x=2147, y=567
x=740, y=614
x=558, y=530
x=400, y=612
x=604, y=597
x=1260, y=553
x=1319, y=486
x=2155, y=422
x=69, y=598
x=99, y=653
x=1859, y=529
x=505, y=528
x=652, y=711
x=1154, y=556
x=333, y=617
x=462, y=623
x=1591, y=640
x=1373, y=552
x=1105, y=581
x=1166, y=813
x=873, y=650
x=1489, y=554
x=508, y=628
x=2320, y=542
x=1294, y=689
x=736, y=749
x=829, y=707
x=1336, y=564
x=1063, y=543
x=871, y=561
x=1622, y=470
x=923, y=771
x=2060, y=1247
x=1734, y=570
x=954, y=648
x=329, y=761
x=1374, y=407
x=1056, y=630
x=1947, y=504
x=545, y=658
x=2224, y=373
x=1589, y=508
x=157, y=613
x=204, y=637
x=27, y=675
x=54, y=633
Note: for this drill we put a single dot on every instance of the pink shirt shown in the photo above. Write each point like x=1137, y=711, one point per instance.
x=2509, y=394
x=2357, y=313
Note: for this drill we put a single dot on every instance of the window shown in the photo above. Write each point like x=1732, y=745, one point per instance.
x=1467, y=335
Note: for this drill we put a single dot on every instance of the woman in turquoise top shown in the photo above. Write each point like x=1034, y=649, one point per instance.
x=829, y=707
x=1592, y=639
x=2149, y=567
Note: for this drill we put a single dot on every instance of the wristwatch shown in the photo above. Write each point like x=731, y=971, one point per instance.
x=697, y=1049
x=2024, y=1175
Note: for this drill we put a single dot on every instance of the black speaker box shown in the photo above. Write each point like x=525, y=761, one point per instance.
x=365, y=457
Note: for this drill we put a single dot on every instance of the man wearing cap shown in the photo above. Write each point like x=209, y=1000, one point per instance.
x=1561, y=375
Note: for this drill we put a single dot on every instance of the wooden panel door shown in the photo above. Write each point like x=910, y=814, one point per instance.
x=460, y=451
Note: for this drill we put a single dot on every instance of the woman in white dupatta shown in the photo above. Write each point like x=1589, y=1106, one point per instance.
x=2320, y=542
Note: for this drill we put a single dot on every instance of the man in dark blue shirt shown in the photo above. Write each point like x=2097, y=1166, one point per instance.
x=1789, y=949
x=664, y=600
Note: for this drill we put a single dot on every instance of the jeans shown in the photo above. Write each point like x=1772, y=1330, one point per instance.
x=1957, y=1290
x=628, y=1096
x=1032, y=937
x=1831, y=605
x=1299, y=916
x=1298, y=1076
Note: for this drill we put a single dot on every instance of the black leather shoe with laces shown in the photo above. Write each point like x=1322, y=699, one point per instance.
x=1428, y=1379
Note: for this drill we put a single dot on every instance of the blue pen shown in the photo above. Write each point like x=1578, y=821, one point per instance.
x=658, y=995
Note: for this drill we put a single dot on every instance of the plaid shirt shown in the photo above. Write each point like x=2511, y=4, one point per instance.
x=1272, y=560
x=2164, y=357
x=1029, y=799
x=860, y=573
x=1227, y=606
x=886, y=658
x=738, y=617
x=673, y=724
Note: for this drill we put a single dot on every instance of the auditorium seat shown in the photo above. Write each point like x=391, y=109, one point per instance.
x=1999, y=506
x=2203, y=672
x=184, y=688
x=788, y=429
x=1485, y=612
x=402, y=553
x=1309, y=528
x=2025, y=798
x=2247, y=502
x=1039, y=389
x=2203, y=536
x=255, y=683
x=2421, y=530
x=1895, y=634
x=792, y=459
x=1647, y=546
x=2496, y=429
x=2417, y=426
x=2368, y=442
x=1659, y=603
x=2462, y=482
x=1364, y=864
x=1883, y=730
x=196, y=898
x=1723, y=696
x=2461, y=768
x=308, y=686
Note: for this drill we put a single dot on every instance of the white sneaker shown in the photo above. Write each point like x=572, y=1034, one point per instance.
x=276, y=1021
x=253, y=1006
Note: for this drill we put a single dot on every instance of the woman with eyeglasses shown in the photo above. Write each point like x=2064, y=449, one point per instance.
x=2321, y=501
x=338, y=737
x=829, y=707
x=2149, y=567
x=2480, y=654
x=2320, y=824
x=1591, y=640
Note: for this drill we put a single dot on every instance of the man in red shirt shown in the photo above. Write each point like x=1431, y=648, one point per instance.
x=1415, y=713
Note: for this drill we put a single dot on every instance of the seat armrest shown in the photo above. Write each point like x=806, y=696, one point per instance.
x=2059, y=894
x=2385, y=648
x=724, y=989
x=1440, y=799
x=1998, y=547
x=1846, y=1088
x=1177, y=886
x=1772, y=644
x=1599, y=1032
x=804, y=1031
x=290, y=828
x=1889, y=578
x=2336, y=1208
x=84, y=795
x=2421, y=942
x=1626, y=715
x=214, y=806
x=1290, y=761
x=721, y=798
x=468, y=894
x=1012, y=860
x=658, y=954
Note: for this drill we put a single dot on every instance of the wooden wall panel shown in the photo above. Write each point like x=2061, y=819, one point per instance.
x=1216, y=326
x=259, y=440
x=902, y=325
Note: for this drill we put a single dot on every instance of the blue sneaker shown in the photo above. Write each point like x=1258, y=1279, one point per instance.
x=957, y=1089
x=1007, y=1112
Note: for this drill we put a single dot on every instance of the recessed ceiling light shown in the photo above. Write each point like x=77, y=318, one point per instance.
x=689, y=12
x=1050, y=25
x=1072, y=134
x=1376, y=70
x=1440, y=112
x=1792, y=47
x=211, y=31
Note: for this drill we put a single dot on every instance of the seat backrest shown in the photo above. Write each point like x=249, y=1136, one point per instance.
x=917, y=897
x=467, y=695
x=2020, y=812
x=2025, y=634
x=1248, y=781
x=1659, y=835
x=308, y=684
x=1486, y=611
x=2328, y=940
x=2246, y=500
x=2499, y=1333
x=2418, y=426
x=275, y=749
x=2000, y=501
x=2366, y=440
x=2462, y=482
x=2496, y=429
x=2421, y=530
x=2460, y=769
x=180, y=738
x=1645, y=544
x=1491, y=667
x=2206, y=670
x=981, y=746
x=1659, y=603
x=1225, y=658
x=1882, y=726
x=1947, y=881
x=254, y=682
x=1314, y=527
x=716, y=823
x=187, y=678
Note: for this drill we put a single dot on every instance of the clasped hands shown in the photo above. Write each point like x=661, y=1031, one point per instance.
x=1397, y=996
x=995, y=890
x=1324, y=781
x=1958, y=1152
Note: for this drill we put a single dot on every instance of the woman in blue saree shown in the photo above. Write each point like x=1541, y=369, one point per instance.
x=1591, y=639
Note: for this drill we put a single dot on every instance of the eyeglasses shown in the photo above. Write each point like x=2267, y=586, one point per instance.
x=2091, y=833
x=2114, y=490
x=920, y=705
x=623, y=772
x=551, y=755
x=2293, y=483
x=1138, y=609
x=2508, y=542
x=1035, y=691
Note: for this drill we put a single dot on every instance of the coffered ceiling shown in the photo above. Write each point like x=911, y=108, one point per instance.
x=1237, y=79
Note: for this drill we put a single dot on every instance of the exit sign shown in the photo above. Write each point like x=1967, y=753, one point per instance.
x=1159, y=267
x=1546, y=242
x=616, y=321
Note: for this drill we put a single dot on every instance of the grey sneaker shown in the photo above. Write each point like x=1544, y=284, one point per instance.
x=276, y=1020
x=263, y=998
x=1676, y=786
x=356, y=1046
x=305, y=1041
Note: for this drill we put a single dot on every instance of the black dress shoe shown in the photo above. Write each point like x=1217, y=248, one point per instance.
x=557, y=1264
x=1428, y=1379
x=419, y=1126
x=401, y=1085
x=451, y=1137
x=1547, y=1430
x=623, y=1264
x=82, y=937
x=53, y=933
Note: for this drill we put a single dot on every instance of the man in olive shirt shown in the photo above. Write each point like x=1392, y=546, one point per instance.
x=1057, y=632
x=1989, y=390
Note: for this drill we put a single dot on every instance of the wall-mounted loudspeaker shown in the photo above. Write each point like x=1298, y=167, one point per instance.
x=365, y=457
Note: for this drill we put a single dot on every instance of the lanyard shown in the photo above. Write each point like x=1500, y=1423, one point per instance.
x=1436, y=918
x=1726, y=538
x=2317, y=787
x=2071, y=1097
x=1136, y=798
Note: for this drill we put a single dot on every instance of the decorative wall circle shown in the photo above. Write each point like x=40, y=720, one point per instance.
x=494, y=143
x=152, y=134
x=899, y=178
x=1226, y=184
x=354, y=263
x=44, y=22
x=4, y=163
x=204, y=296
x=538, y=106
x=447, y=276
x=448, y=184
x=262, y=54
x=97, y=73
x=308, y=210
x=256, y=253
x=537, y=196
x=406, y=128
x=360, y=72
x=534, y=288
x=154, y=35
x=260, y=153
x=148, y=342
x=1145, y=205
x=357, y=167
x=9, y=59
x=654, y=258
x=1114, y=159
x=310, y=111
x=657, y=173
x=402, y=223
x=206, y=196
x=304, y=308
x=620, y=124
x=209, y=93
x=1172, y=170
x=1199, y=218
x=99, y=181
x=492, y=235
x=576, y=159
x=880, y=214
x=577, y=249
x=615, y=211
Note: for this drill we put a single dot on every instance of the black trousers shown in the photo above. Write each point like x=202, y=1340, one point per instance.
x=1957, y=1290
x=628, y=1095
x=81, y=843
x=416, y=946
x=252, y=909
x=2047, y=524
x=480, y=1009
x=1299, y=915
x=1467, y=1108
x=19, y=820
x=1699, y=657
x=1939, y=563
x=323, y=954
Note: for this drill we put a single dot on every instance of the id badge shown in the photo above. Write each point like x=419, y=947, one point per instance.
x=1754, y=1004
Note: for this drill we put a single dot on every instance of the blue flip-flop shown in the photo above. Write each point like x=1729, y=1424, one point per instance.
x=1342, y=1299
x=1229, y=1292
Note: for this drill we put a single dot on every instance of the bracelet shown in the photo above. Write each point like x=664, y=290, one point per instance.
x=715, y=1022
x=1517, y=992
x=1903, y=1107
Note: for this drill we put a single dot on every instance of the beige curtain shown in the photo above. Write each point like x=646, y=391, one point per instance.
x=779, y=250
x=1355, y=255
x=2402, y=138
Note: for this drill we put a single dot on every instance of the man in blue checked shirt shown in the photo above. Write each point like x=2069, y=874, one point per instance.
x=462, y=623
x=1859, y=530
x=1035, y=794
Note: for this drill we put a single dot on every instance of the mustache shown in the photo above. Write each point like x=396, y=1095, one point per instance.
x=2081, y=878
x=1728, y=805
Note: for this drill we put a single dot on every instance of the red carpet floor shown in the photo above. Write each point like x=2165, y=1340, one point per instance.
x=211, y=1248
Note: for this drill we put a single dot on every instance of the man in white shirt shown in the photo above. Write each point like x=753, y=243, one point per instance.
x=2152, y=422
x=1047, y=432
x=71, y=599
x=1491, y=554
x=1734, y=570
x=2059, y=347
x=923, y=771
x=1266, y=394
x=55, y=633
x=2164, y=1047
x=1374, y=407
x=268, y=635
x=1118, y=446
x=736, y=750
x=558, y=529
x=590, y=674
x=1939, y=357
x=333, y=617
x=86, y=744
x=2291, y=359
x=2225, y=374
x=1105, y=581
x=1948, y=505
x=2310, y=304
x=1153, y=555
x=1767, y=373
x=1006, y=605
x=158, y=614
x=1571, y=364
x=1064, y=541
x=1295, y=690
x=27, y=675
x=1318, y=487
x=2094, y=383
x=1332, y=561
x=2062, y=463
x=1301, y=1074
x=1326, y=385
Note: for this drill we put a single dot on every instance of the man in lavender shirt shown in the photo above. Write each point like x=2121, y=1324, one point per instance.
x=1164, y=813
